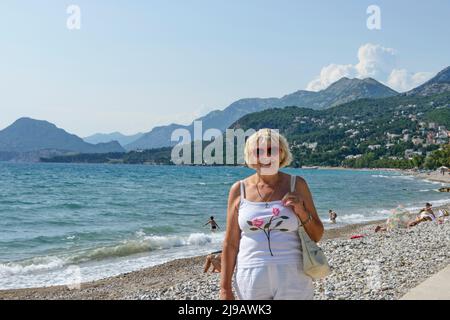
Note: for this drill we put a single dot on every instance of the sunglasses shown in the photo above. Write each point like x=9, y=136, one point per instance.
x=266, y=152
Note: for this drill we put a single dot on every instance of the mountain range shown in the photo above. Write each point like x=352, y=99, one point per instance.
x=114, y=136
x=30, y=136
x=438, y=84
x=342, y=91
x=377, y=132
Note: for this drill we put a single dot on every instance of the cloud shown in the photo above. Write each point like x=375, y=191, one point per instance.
x=402, y=80
x=330, y=74
x=374, y=61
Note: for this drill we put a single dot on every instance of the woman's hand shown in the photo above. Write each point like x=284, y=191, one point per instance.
x=292, y=199
x=226, y=294
x=304, y=208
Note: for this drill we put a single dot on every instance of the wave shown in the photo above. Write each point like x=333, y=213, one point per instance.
x=211, y=183
x=359, y=218
x=161, y=229
x=144, y=244
x=34, y=265
x=440, y=202
x=141, y=244
x=435, y=182
x=72, y=206
x=381, y=214
x=393, y=177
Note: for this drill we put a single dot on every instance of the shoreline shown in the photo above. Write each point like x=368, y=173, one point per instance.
x=162, y=278
x=182, y=278
x=353, y=169
x=432, y=175
x=158, y=277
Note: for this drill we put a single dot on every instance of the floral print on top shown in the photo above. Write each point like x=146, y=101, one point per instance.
x=269, y=234
x=275, y=223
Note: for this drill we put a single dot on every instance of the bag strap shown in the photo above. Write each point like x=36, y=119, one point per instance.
x=293, y=180
x=242, y=189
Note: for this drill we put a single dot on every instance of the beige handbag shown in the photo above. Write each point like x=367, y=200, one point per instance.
x=315, y=263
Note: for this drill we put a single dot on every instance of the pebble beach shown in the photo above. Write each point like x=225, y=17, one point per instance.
x=378, y=266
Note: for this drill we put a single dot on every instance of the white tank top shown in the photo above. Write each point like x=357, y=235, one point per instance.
x=269, y=235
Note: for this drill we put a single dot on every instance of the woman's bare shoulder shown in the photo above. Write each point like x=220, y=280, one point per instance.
x=235, y=190
x=300, y=183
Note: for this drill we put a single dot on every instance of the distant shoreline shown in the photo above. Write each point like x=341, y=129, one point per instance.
x=429, y=175
x=346, y=168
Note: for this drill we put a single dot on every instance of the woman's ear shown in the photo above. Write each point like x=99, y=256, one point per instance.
x=281, y=155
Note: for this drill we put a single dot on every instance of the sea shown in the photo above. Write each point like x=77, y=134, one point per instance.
x=60, y=222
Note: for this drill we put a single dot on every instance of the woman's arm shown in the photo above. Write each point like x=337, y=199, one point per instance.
x=230, y=244
x=304, y=206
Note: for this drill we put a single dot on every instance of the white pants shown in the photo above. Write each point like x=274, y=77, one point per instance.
x=273, y=282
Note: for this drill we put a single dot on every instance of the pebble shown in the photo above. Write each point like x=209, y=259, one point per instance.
x=381, y=266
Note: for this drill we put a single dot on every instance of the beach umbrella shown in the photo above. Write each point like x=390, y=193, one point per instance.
x=399, y=218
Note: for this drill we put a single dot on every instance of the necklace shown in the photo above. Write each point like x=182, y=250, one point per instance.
x=270, y=196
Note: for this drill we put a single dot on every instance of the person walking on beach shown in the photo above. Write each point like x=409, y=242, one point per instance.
x=261, y=248
x=333, y=216
x=213, y=223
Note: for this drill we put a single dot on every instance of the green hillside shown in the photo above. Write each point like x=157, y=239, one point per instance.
x=391, y=132
x=396, y=132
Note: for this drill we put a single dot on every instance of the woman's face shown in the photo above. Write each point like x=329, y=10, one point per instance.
x=267, y=157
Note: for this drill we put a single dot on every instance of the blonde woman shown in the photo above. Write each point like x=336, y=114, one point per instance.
x=261, y=250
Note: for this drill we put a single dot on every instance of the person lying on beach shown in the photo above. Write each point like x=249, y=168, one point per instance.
x=442, y=213
x=213, y=224
x=213, y=259
x=426, y=214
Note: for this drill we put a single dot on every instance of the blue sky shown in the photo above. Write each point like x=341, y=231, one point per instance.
x=137, y=64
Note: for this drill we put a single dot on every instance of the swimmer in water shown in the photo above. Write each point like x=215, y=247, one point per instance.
x=213, y=223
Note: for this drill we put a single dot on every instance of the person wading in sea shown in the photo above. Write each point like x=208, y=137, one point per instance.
x=213, y=223
x=333, y=216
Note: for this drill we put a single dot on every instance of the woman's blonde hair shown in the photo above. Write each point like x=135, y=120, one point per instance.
x=264, y=136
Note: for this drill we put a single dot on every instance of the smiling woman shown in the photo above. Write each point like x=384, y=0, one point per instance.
x=338, y=80
x=262, y=247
